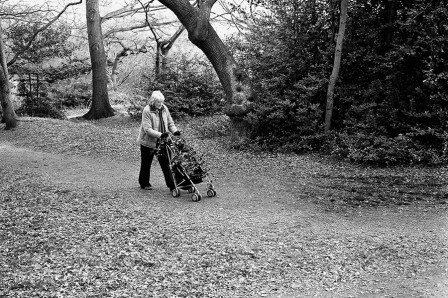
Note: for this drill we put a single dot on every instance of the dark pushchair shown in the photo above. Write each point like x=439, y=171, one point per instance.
x=186, y=168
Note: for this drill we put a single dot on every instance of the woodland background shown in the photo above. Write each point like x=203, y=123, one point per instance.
x=390, y=100
x=75, y=223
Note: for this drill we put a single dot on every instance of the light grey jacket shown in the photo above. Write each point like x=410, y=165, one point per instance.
x=150, y=127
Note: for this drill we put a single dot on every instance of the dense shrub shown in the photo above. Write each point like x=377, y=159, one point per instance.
x=43, y=107
x=190, y=89
x=287, y=56
x=42, y=65
x=381, y=150
x=211, y=127
x=136, y=105
x=42, y=96
x=72, y=93
x=391, y=99
x=50, y=43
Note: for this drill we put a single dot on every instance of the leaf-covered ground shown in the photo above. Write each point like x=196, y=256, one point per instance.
x=74, y=223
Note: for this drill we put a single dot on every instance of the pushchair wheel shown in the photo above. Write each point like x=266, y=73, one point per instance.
x=196, y=197
x=191, y=190
x=211, y=193
x=175, y=192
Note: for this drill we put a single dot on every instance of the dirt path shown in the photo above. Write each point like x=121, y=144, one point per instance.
x=279, y=210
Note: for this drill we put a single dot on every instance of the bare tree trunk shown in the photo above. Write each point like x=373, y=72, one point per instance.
x=234, y=80
x=114, y=74
x=336, y=66
x=114, y=78
x=101, y=107
x=157, y=66
x=9, y=115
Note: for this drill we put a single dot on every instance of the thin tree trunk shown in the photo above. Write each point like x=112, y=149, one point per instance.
x=336, y=66
x=114, y=74
x=9, y=116
x=157, y=68
x=101, y=107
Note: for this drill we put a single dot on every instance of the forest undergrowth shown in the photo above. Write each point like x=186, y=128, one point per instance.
x=300, y=224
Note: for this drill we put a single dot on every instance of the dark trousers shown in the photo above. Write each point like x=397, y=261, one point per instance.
x=147, y=156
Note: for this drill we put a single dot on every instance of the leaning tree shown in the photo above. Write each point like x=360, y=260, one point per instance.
x=234, y=80
x=336, y=66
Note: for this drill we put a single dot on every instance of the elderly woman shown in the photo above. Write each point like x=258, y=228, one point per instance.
x=156, y=123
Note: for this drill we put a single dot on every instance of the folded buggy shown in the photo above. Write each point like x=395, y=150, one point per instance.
x=186, y=168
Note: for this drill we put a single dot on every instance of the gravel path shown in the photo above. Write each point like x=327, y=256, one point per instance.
x=75, y=224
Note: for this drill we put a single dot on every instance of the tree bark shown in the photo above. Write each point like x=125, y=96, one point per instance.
x=234, y=80
x=101, y=107
x=336, y=66
x=157, y=62
x=165, y=47
x=9, y=115
x=114, y=74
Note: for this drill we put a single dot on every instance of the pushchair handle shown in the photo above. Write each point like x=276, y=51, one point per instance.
x=168, y=139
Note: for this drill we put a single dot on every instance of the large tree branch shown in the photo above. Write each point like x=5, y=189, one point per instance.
x=20, y=11
x=202, y=25
x=230, y=18
x=156, y=37
x=112, y=31
x=146, y=8
x=122, y=12
x=30, y=41
x=124, y=52
x=206, y=7
x=183, y=10
x=197, y=26
x=131, y=9
x=165, y=46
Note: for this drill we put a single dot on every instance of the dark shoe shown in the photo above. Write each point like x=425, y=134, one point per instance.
x=175, y=192
x=147, y=187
